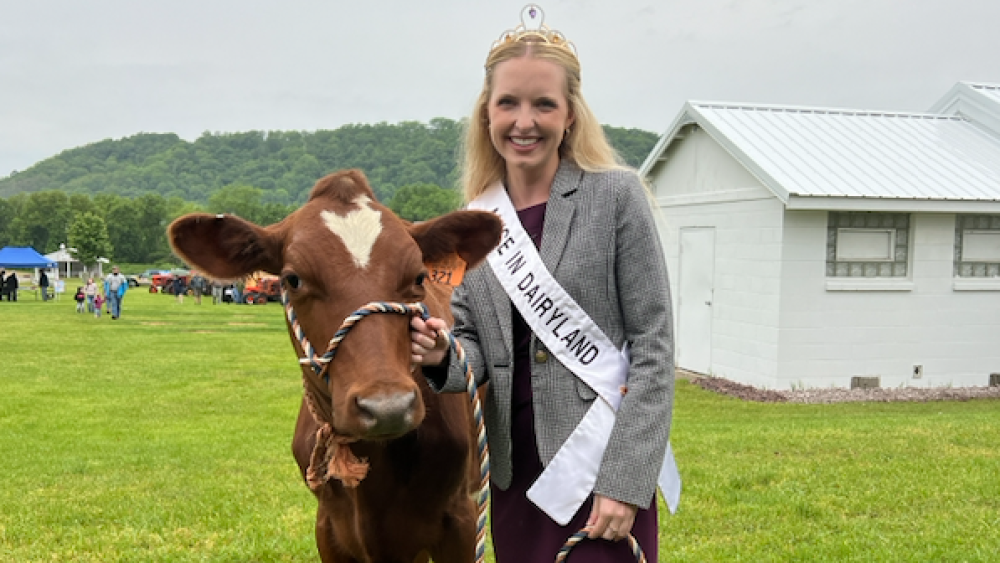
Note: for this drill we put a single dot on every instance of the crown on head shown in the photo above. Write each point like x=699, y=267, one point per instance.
x=533, y=28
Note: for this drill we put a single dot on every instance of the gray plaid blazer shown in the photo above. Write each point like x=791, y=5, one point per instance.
x=600, y=243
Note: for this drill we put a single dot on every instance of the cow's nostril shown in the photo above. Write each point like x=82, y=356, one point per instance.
x=387, y=414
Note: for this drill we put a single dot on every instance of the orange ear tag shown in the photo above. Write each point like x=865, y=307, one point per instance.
x=448, y=271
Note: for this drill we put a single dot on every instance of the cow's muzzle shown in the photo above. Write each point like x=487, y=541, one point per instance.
x=387, y=414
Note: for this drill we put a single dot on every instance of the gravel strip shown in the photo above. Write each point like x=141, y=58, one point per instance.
x=834, y=395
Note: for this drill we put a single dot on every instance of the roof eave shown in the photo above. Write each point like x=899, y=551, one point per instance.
x=682, y=120
x=900, y=205
x=690, y=115
x=741, y=156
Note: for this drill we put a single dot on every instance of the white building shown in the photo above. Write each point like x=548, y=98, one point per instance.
x=69, y=267
x=811, y=246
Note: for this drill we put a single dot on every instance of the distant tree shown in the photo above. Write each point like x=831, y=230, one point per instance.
x=634, y=145
x=10, y=226
x=152, y=227
x=122, y=220
x=419, y=202
x=88, y=238
x=240, y=200
x=42, y=220
x=274, y=212
x=276, y=195
x=177, y=207
x=81, y=203
x=6, y=216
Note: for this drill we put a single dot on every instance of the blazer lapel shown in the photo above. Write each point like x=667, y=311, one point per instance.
x=559, y=214
x=502, y=306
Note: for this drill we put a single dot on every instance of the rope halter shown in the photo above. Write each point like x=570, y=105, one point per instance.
x=320, y=364
x=332, y=455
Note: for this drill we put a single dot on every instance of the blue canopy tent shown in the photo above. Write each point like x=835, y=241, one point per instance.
x=23, y=257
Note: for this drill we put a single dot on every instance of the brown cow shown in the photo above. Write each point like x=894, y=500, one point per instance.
x=338, y=252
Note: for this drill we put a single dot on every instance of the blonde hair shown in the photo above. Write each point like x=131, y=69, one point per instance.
x=585, y=144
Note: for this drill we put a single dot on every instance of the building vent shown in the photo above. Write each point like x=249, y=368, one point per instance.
x=995, y=380
x=858, y=382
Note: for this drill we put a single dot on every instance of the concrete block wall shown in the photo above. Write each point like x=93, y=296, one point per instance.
x=747, y=268
x=827, y=336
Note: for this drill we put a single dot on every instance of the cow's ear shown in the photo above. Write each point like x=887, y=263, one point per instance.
x=226, y=246
x=470, y=234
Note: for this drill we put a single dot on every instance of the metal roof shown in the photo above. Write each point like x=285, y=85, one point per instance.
x=840, y=153
x=990, y=90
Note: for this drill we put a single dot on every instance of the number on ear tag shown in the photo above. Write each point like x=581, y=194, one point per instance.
x=447, y=271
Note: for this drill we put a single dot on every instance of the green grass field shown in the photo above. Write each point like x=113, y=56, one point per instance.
x=165, y=436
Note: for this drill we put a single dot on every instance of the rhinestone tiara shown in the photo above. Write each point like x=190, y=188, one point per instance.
x=532, y=27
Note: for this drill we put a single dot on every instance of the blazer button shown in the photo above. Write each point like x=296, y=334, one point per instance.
x=541, y=356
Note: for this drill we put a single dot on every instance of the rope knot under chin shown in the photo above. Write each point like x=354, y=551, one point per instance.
x=332, y=458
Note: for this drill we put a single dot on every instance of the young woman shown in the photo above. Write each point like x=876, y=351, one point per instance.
x=581, y=248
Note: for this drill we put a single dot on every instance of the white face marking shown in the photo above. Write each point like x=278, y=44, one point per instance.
x=359, y=229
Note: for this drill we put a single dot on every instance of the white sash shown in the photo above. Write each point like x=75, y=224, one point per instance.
x=576, y=340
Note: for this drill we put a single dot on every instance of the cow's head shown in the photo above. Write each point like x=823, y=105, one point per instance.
x=338, y=252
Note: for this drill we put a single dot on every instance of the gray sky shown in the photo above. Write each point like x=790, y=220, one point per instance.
x=74, y=72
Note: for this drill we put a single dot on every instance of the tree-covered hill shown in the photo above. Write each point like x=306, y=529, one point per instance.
x=114, y=198
x=284, y=165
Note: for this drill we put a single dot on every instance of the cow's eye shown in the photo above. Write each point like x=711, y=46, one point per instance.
x=420, y=279
x=292, y=281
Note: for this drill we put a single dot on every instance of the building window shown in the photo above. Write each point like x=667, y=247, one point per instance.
x=867, y=245
x=977, y=246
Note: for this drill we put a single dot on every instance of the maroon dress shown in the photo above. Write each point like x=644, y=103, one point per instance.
x=521, y=532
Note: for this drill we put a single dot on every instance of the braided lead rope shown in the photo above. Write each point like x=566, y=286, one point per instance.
x=319, y=365
x=482, y=446
x=576, y=538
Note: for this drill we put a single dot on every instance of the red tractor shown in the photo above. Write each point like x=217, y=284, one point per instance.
x=164, y=283
x=158, y=282
x=261, y=289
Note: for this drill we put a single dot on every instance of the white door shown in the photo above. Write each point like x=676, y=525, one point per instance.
x=696, y=287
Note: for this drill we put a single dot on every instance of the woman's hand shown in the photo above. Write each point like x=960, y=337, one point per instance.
x=610, y=519
x=429, y=345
